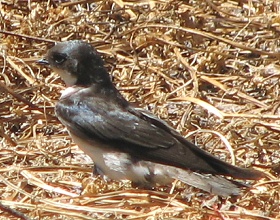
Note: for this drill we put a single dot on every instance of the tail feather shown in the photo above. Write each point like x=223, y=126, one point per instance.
x=210, y=183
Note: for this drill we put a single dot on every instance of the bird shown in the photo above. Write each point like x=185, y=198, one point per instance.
x=126, y=142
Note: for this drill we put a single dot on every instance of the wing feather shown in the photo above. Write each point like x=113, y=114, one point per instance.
x=141, y=134
x=111, y=124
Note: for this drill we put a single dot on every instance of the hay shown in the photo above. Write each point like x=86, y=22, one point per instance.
x=210, y=68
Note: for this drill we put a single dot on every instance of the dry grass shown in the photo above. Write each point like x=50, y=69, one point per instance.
x=211, y=68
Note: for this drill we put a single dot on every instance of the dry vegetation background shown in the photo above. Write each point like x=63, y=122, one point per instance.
x=209, y=67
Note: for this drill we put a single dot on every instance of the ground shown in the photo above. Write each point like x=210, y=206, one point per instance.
x=209, y=68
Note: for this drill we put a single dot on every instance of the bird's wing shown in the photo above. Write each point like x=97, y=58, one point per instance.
x=95, y=119
x=141, y=134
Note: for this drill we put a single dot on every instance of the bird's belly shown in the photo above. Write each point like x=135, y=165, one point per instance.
x=120, y=166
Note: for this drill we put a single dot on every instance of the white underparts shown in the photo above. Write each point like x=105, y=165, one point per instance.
x=69, y=90
x=121, y=166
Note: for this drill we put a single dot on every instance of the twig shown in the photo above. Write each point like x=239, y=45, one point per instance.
x=20, y=98
x=27, y=36
x=13, y=212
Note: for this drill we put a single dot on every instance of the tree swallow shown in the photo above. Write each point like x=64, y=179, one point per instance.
x=126, y=142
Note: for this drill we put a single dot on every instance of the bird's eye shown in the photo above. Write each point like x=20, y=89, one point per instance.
x=59, y=58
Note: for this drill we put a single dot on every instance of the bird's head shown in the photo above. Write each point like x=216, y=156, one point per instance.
x=77, y=62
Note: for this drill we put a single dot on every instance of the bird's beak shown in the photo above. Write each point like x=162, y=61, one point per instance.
x=43, y=61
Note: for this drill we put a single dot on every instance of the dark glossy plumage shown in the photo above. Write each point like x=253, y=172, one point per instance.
x=138, y=132
x=95, y=112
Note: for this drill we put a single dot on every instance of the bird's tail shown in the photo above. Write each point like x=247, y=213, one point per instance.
x=210, y=183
